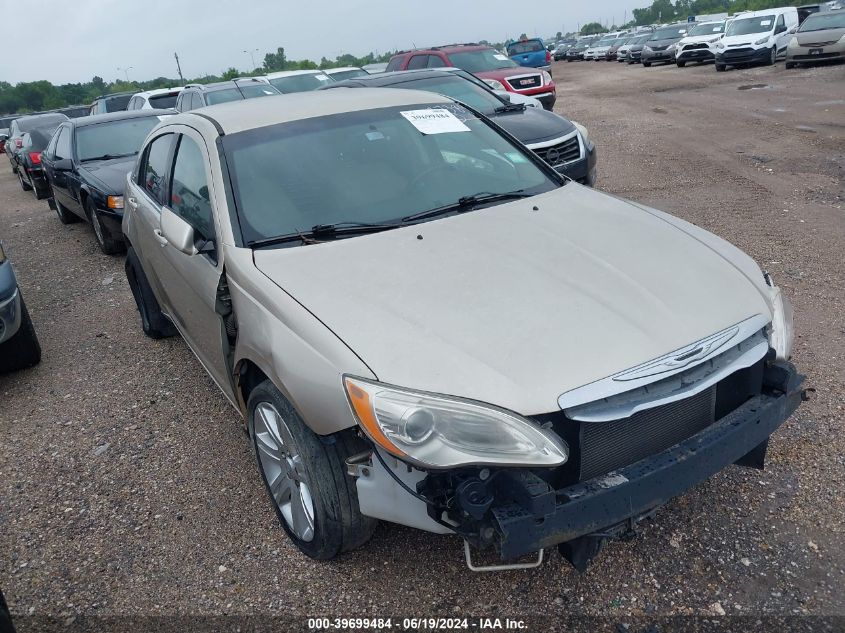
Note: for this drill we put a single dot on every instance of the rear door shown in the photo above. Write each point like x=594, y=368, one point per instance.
x=59, y=178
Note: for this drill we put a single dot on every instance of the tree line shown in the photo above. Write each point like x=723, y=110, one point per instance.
x=36, y=96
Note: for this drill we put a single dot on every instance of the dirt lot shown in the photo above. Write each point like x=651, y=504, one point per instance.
x=128, y=487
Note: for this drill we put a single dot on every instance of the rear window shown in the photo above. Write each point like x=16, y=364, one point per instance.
x=520, y=48
x=113, y=139
x=259, y=89
x=349, y=74
x=163, y=102
x=223, y=96
x=43, y=120
x=117, y=104
x=300, y=83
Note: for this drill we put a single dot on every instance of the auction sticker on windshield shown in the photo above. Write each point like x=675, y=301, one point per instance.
x=431, y=121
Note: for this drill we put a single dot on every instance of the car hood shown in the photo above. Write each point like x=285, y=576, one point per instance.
x=518, y=303
x=697, y=39
x=827, y=35
x=534, y=125
x=504, y=73
x=744, y=40
x=111, y=174
x=666, y=42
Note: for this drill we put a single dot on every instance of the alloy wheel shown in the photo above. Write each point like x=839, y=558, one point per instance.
x=283, y=470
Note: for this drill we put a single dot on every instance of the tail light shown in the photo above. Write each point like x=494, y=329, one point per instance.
x=35, y=157
x=18, y=143
x=548, y=56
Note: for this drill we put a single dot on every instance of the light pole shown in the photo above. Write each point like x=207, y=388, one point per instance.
x=125, y=71
x=251, y=54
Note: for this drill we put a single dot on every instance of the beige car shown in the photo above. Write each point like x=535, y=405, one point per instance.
x=820, y=38
x=422, y=322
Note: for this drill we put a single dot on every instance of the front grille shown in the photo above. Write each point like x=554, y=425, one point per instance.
x=659, y=48
x=564, y=152
x=694, y=47
x=525, y=82
x=818, y=44
x=819, y=56
x=737, y=53
x=606, y=446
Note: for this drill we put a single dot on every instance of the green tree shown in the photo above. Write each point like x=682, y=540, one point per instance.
x=593, y=28
x=230, y=73
x=274, y=62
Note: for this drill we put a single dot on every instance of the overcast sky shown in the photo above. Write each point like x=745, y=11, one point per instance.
x=71, y=41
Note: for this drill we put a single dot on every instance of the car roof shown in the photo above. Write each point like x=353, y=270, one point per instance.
x=158, y=91
x=329, y=71
x=94, y=119
x=389, y=79
x=114, y=94
x=291, y=73
x=447, y=48
x=761, y=12
x=248, y=114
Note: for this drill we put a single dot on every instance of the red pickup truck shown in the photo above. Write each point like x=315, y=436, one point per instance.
x=484, y=62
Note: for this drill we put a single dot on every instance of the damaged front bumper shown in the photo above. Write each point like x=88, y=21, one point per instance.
x=540, y=517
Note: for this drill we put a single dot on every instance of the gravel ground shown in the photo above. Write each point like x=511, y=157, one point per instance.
x=128, y=486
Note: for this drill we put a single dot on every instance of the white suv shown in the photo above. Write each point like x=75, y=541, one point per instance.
x=161, y=99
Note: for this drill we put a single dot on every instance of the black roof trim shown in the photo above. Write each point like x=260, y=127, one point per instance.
x=213, y=121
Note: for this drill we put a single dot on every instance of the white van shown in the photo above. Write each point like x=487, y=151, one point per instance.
x=756, y=37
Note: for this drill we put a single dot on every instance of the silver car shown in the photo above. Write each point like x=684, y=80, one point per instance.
x=422, y=322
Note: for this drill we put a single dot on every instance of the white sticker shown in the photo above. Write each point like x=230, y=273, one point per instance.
x=431, y=121
x=323, y=77
x=500, y=57
x=717, y=29
x=765, y=22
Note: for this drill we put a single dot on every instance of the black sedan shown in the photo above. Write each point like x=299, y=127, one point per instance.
x=28, y=160
x=19, y=346
x=86, y=164
x=562, y=144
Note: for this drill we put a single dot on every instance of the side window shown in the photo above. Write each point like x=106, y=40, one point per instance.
x=197, y=101
x=780, y=24
x=189, y=197
x=394, y=64
x=63, y=144
x=418, y=61
x=155, y=167
x=435, y=61
x=51, y=146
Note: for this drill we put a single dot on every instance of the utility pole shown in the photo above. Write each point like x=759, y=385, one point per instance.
x=125, y=71
x=179, y=68
x=251, y=54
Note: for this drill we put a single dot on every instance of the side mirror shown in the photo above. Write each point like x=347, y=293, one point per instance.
x=3, y=137
x=177, y=232
x=793, y=30
x=63, y=164
x=780, y=29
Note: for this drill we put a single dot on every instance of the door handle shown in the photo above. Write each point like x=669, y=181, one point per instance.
x=132, y=202
x=160, y=238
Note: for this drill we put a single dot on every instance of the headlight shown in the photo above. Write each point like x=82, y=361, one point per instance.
x=647, y=48
x=585, y=135
x=547, y=78
x=719, y=45
x=761, y=41
x=114, y=202
x=444, y=432
x=781, y=331
x=2, y=254
x=713, y=39
x=672, y=47
x=495, y=85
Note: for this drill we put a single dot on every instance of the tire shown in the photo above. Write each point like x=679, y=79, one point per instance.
x=315, y=500
x=773, y=56
x=681, y=64
x=22, y=350
x=24, y=185
x=790, y=65
x=720, y=68
x=65, y=216
x=105, y=241
x=153, y=322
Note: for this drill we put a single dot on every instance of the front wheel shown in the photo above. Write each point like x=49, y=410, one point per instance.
x=105, y=241
x=773, y=56
x=305, y=476
x=720, y=68
x=24, y=185
x=647, y=64
x=153, y=321
x=790, y=65
x=681, y=64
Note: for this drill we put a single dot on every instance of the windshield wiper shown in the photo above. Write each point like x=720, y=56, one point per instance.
x=106, y=157
x=466, y=203
x=510, y=107
x=323, y=232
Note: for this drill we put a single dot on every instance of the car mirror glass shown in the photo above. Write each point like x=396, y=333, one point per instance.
x=63, y=164
x=204, y=192
x=177, y=232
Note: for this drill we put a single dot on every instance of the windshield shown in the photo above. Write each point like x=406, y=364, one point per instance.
x=340, y=75
x=386, y=164
x=300, y=83
x=668, y=33
x=223, y=96
x=163, y=102
x=706, y=29
x=747, y=26
x=481, y=60
x=821, y=21
x=257, y=89
x=520, y=48
x=115, y=138
x=459, y=89
x=604, y=42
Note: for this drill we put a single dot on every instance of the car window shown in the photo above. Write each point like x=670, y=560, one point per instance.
x=530, y=46
x=63, y=145
x=163, y=102
x=781, y=22
x=393, y=64
x=459, y=89
x=223, y=96
x=417, y=62
x=189, y=198
x=482, y=60
x=435, y=61
x=300, y=83
x=155, y=167
x=117, y=104
x=257, y=89
x=189, y=101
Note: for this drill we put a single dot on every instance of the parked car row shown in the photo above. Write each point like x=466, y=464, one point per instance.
x=750, y=37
